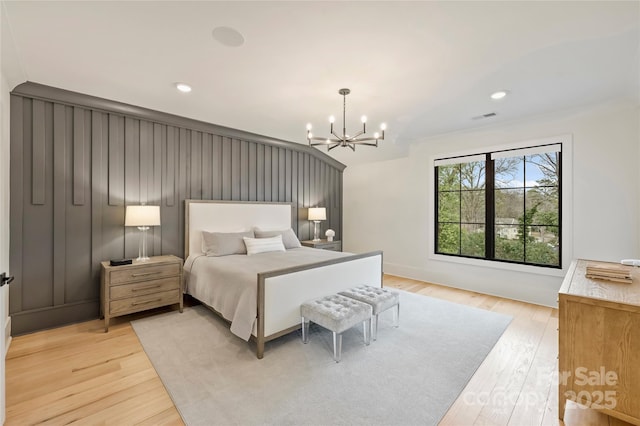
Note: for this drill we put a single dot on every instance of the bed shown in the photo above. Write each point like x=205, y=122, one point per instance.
x=262, y=301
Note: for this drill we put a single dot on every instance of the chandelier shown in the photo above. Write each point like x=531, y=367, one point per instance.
x=345, y=140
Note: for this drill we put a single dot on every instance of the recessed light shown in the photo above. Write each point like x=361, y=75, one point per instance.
x=499, y=94
x=228, y=36
x=184, y=88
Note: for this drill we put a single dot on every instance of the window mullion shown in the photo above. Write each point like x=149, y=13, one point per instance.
x=489, y=221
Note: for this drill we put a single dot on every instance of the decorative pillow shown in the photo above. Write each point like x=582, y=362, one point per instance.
x=223, y=244
x=263, y=245
x=289, y=238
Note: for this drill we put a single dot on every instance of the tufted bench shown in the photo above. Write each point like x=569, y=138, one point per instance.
x=380, y=300
x=338, y=314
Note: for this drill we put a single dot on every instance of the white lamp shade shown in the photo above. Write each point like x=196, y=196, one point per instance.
x=317, y=213
x=142, y=216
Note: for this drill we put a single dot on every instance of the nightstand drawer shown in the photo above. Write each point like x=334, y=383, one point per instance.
x=337, y=246
x=145, y=272
x=144, y=287
x=138, y=303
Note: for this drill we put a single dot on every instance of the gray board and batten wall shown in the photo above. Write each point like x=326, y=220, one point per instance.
x=78, y=160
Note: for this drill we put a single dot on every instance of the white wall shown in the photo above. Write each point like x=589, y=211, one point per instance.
x=11, y=74
x=386, y=204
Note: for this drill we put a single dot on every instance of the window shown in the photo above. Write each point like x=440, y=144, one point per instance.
x=502, y=206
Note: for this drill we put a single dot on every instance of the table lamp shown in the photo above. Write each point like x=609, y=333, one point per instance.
x=143, y=217
x=316, y=214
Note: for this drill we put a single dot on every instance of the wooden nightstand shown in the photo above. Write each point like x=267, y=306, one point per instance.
x=140, y=286
x=323, y=244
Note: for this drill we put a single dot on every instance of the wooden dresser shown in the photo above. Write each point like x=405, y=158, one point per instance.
x=599, y=344
x=140, y=286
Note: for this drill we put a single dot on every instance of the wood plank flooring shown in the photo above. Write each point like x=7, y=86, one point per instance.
x=79, y=374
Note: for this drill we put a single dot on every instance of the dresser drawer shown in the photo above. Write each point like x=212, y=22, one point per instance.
x=144, y=287
x=138, y=303
x=144, y=273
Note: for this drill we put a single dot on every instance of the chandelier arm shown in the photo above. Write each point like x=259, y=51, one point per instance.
x=365, y=140
x=323, y=143
x=354, y=137
x=352, y=146
x=339, y=138
x=320, y=138
x=329, y=148
x=365, y=143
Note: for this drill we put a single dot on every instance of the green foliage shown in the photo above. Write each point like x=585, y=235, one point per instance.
x=448, y=238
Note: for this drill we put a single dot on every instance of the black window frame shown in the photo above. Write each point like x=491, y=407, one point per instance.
x=490, y=190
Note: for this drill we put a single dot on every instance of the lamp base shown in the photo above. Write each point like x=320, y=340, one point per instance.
x=316, y=236
x=142, y=245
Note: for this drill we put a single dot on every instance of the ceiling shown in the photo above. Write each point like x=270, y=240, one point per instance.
x=424, y=68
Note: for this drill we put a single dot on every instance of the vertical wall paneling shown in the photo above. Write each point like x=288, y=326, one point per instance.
x=227, y=165
x=37, y=240
x=303, y=234
x=77, y=162
x=285, y=175
x=132, y=183
x=169, y=159
x=216, y=176
x=98, y=190
x=145, y=162
x=60, y=142
x=260, y=175
x=268, y=192
x=38, y=153
x=155, y=180
x=252, y=167
x=207, y=166
x=183, y=167
x=294, y=191
x=16, y=206
x=196, y=166
x=77, y=251
x=169, y=214
x=235, y=169
x=275, y=168
x=79, y=171
x=282, y=167
x=244, y=170
x=116, y=160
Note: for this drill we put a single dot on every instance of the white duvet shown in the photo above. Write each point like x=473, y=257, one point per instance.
x=229, y=284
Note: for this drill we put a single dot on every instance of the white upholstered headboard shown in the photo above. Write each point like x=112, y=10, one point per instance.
x=230, y=216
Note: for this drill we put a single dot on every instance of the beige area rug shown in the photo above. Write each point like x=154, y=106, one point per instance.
x=410, y=376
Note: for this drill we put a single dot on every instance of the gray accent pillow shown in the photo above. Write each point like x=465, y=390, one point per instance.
x=289, y=238
x=224, y=243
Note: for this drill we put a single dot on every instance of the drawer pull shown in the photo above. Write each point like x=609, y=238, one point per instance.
x=149, y=287
x=145, y=302
x=146, y=274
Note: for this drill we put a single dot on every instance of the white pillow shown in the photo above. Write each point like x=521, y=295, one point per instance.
x=263, y=245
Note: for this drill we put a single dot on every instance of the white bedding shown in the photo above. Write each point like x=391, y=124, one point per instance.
x=229, y=283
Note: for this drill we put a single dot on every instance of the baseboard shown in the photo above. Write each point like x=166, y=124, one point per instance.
x=419, y=274
x=56, y=316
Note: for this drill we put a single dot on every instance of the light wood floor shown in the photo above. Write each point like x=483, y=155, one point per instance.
x=80, y=374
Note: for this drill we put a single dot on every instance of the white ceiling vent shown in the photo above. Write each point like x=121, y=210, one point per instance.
x=483, y=116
